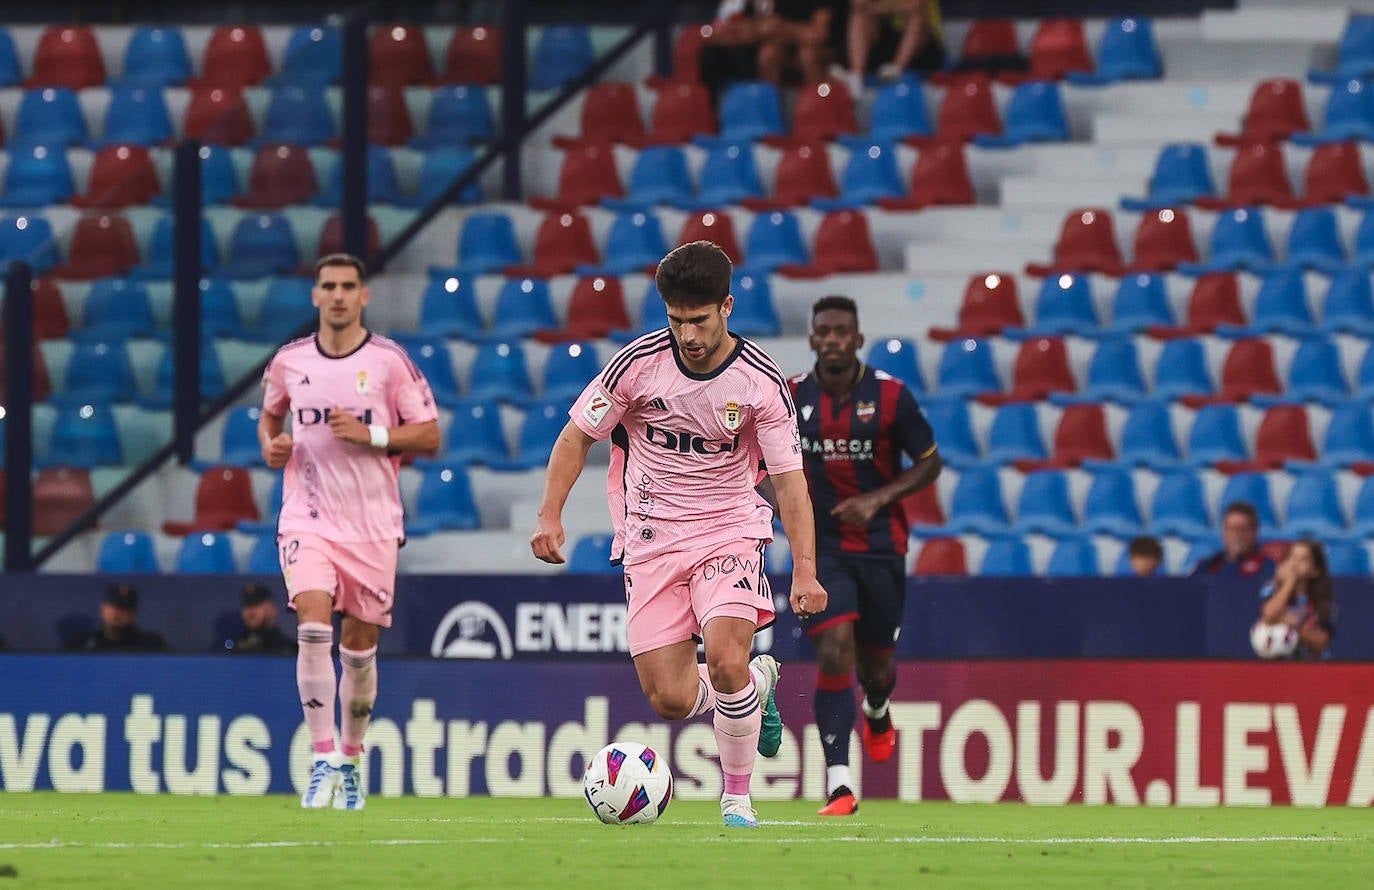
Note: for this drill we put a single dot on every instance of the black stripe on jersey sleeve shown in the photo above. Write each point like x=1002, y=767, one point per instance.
x=395, y=347
x=612, y=379
x=756, y=358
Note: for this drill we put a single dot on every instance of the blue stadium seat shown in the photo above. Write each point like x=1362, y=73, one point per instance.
x=49, y=116
x=1354, y=53
x=1316, y=374
x=1216, y=435
x=239, y=445
x=1006, y=558
x=262, y=244
x=444, y=502
x=1182, y=370
x=499, y=373
x=1238, y=241
x=1348, y=116
x=570, y=367
x=634, y=243
x=487, y=243
x=219, y=310
x=1015, y=434
x=1254, y=489
x=1111, y=507
x=1147, y=437
x=127, y=553
x=98, y=372
x=899, y=111
x=1314, y=241
x=448, y=308
x=977, y=504
x=539, y=429
x=1073, y=558
x=659, y=176
x=1362, y=524
x=967, y=368
x=897, y=356
x=728, y=175
x=1180, y=507
x=263, y=559
x=156, y=57
x=1044, y=506
x=11, y=71
x=136, y=115
x=431, y=356
x=1280, y=306
x=206, y=553
x=84, y=436
x=775, y=240
x=286, y=307
x=869, y=173
x=475, y=435
x=29, y=238
x=1034, y=113
x=1182, y=174
x=1364, y=239
x=313, y=57
x=754, y=314
x=591, y=555
x=1314, y=508
x=1127, y=52
x=1065, y=306
x=1349, y=303
x=653, y=316
x=561, y=53
x=161, y=250
x=949, y=418
x=382, y=185
x=1114, y=372
x=297, y=115
x=37, y=176
x=212, y=383
x=523, y=306
x=440, y=168
x=458, y=116
x=1347, y=558
x=116, y=309
x=750, y=110
x=1349, y=435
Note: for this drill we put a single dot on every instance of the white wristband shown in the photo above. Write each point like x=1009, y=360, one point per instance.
x=381, y=437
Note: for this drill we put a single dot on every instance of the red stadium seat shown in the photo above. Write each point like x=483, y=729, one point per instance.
x=398, y=56
x=1248, y=370
x=843, y=244
x=1335, y=172
x=1215, y=301
x=990, y=305
x=941, y=556
x=281, y=175
x=940, y=177
x=1284, y=434
x=923, y=507
x=587, y=176
x=610, y=113
x=824, y=112
x=563, y=242
x=1041, y=368
x=681, y=112
x=989, y=47
x=967, y=110
x=50, y=320
x=595, y=309
x=1057, y=47
x=388, y=116
x=42, y=383
x=121, y=176
x=218, y=116
x=235, y=56
x=803, y=174
x=1087, y=243
x=474, y=56
x=718, y=228
x=1081, y=435
x=60, y=496
x=224, y=496
x=102, y=245
x=1276, y=112
x=1258, y=176
x=1163, y=240
x=67, y=57
x=331, y=238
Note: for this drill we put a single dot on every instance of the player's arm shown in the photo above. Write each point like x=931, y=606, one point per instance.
x=422, y=436
x=275, y=442
x=911, y=433
x=566, y=461
x=794, y=509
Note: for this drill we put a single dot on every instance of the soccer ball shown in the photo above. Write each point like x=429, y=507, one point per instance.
x=627, y=783
x=1273, y=640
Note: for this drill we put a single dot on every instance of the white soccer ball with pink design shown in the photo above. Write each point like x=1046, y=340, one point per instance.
x=627, y=783
x=1273, y=640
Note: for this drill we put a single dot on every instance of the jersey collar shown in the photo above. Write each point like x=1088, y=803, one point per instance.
x=693, y=375
x=320, y=349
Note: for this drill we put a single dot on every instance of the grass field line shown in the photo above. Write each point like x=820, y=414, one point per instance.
x=474, y=820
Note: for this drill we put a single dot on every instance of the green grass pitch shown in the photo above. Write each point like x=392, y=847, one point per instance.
x=129, y=841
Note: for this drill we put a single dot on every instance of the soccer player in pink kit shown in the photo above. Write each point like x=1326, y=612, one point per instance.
x=356, y=401
x=690, y=412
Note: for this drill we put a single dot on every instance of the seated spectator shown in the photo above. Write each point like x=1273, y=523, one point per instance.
x=1145, y=555
x=117, y=631
x=1301, y=596
x=767, y=40
x=888, y=37
x=261, y=636
x=1240, y=556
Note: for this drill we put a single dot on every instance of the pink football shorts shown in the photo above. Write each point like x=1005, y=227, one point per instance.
x=672, y=596
x=360, y=576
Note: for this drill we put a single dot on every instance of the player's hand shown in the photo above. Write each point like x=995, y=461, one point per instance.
x=858, y=510
x=277, y=453
x=808, y=597
x=547, y=540
x=347, y=427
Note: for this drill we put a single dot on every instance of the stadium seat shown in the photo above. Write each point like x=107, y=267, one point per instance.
x=591, y=555
x=487, y=243
x=1354, y=52
x=1362, y=520
x=1057, y=48
x=687, y=53
x=634, y=243
x=824, y=112
x=239, y=440
x=85, y=436
x=36, y=176
x=1216, y=436
x=539, y=429
x=1114, y=372
x=281, y=175
x=475, y=435
x=1163, y=241
x=439, y=169
x=267, y=526
x=1314, y=241
x=50, y=321
x=218, y=115
x=219, y=310
x=990, y=305
x=1087, y=243
x=297, y=115
x=1248, y=370
x=313, y=57
x=1065, y=306
x=261, y=245
x=1275, y=113
x=595, y=309
x=561, y=53
x=727, y=176
x=212, y=384
x=331, y=238
x=659, y=176
x=754, y=314
x=610, y=113
x=1006, y=558
x=27, y=238
x=121, y=176
x=587, y=176
x=60, y=496
x=388, y=117
x=1238, y=241
x=398, y=56
x=681, y=112
x=382, y=184
x=206, y=553
x=1182, y=174
x=843, y=244
x=1044, y=506
x=1111, y=506
x=474, y=55
x=523, y=307
x=1281, y=305
x=224, y=495
x=263, y=558
x=1349, y=114
x=136, y=116
x=114, y=310
x=968, y=110
x=1252, y=488
x=235, y=56
x=1347, y=559
x=1258, y=175
x=49, y=116
x=569, y=368
x=1141, y=303
x=1213, y=303
x=899, y=112
x=562, y=243
x=897, y=357
x=1349, y=435
x=1035, y=113
x=1080, y=436
x=1314, y=508
x=1147, y=437
x=1335, y=173
x=870, y=174
x=1015, y=435
x=1041, y=368
x=101, y=244
x=940, y=177
x=443, y=502
x=803, y=175
x=1283, y=435
x=1179, y=506
x=978, y=505
x=1364, y=375
x=128, y=553
x=949, y=418
x=718, y=228
x=967, y=368
x=499, y=374
x=1127, y=52
x=1316, y=374
x=156, y=57
x=67, y=56
x=448, y=308
x=431, y=356
x=11, y=71
x=990, y=45
x=458, y=115
x=1073, y=558
x=922, y=509
x=750, y=110
x=941, y=556
x=1348, y=306
x=161, y=248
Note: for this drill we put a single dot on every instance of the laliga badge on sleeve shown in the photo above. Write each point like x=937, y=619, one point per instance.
x=596, y=407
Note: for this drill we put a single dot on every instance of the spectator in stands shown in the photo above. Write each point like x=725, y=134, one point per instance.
x=767, y=40
x=261, y=636
x=117, y=631
x=892, y=36
x=1145, y=555
x=1302, y=597
x=1240, y=556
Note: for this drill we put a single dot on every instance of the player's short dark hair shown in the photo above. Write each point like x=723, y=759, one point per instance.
x=835, y=301
x=1146, y=545
x=695, y=274
x=1244, y=508
x=341, y=259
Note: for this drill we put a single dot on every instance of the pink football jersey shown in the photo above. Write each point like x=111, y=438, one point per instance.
x=339, y=490
x=687, y=446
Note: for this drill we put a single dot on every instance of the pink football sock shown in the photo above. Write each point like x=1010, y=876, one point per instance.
x=357, y=694
x=737, y=721
x=316, y=682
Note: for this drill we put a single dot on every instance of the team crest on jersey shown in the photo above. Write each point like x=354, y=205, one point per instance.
x=732, y=416
x=362, y=382
x=866, y=410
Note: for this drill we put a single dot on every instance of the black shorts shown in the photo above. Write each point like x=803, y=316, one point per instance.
x=868, y=590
